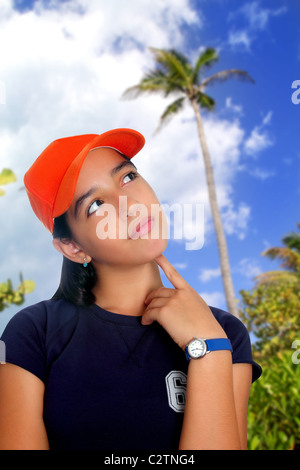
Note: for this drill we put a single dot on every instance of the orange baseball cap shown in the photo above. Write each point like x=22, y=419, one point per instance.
x=50, y=182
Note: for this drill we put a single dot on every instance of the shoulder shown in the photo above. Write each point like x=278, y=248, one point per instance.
x=232, y=325
x=40, y=322
x=39, y=314
x=34, y=331
x=239, y=338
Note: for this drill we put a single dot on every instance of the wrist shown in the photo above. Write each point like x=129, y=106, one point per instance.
x=217, y=364
x=205, y=333
x=197, y=348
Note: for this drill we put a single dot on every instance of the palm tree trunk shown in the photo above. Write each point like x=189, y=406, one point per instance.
x=221, y=240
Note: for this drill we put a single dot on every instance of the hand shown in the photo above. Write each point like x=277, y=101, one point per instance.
x=181, y=311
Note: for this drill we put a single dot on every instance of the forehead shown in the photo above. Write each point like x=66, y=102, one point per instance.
x=102, y=157
x=98, y=165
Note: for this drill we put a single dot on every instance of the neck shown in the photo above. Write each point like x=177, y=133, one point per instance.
x=124, y=290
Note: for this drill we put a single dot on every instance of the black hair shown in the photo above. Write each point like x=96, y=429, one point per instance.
x=77, y=281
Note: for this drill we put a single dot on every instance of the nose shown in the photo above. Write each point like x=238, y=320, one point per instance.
x=129, y=207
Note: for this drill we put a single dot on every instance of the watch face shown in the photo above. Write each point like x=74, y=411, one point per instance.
x=197, y=348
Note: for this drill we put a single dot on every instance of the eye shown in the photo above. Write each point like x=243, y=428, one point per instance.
x=94, y=206
x=129, y=177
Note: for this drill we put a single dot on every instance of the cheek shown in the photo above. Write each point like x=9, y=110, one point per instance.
x=144, y=192
x=152, y=196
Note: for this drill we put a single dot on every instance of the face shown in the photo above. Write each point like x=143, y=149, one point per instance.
x=115, y=216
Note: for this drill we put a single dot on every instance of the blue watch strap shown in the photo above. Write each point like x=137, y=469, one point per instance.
x=218, y=344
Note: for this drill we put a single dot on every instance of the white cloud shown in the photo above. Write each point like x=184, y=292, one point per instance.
x=236, y=220
x=207, y=275
x=6, y=8
x=2, y=92
x=214, y=298
x=248, y=268
x=257, y=142
x=240, y=38
x=254, y=19
x=259, y=138
x=261, y=173
x=257, y=16
x=180, y=266
x=267, y=118
x=234, y=107
x=65, y=69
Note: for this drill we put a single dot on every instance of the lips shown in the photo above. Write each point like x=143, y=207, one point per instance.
x=143, y=227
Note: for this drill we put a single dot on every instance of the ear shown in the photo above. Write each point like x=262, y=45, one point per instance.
x=70, y=250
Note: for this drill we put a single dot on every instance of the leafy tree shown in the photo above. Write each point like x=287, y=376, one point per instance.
x=175, y=75
x=271, y=310
x=9, y=295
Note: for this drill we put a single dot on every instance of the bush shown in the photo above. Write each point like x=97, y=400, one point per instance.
x=273, y=418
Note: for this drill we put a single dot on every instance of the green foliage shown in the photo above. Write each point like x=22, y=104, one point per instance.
x=6, y=176
x=273, y=413
x=9, y=295
x=292, y=240
x=271, y=310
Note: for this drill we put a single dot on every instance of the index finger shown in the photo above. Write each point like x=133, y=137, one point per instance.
x=172, y=274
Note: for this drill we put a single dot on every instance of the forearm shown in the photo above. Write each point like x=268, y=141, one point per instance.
x=21, y=410
x=210, y=420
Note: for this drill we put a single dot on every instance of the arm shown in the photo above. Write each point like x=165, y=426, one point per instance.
x=216, y=403
x=21, y=410
x=217, y=391
x=242, y=379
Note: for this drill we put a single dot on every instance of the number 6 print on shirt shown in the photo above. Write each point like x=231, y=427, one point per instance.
x=176, y=388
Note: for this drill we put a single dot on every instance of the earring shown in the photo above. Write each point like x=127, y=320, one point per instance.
x=84, y=263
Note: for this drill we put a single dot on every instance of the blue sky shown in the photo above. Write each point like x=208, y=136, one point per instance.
x=63, y=71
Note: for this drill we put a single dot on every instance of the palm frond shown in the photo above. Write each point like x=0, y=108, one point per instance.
x=208, y=58
x=170, y=111
x=205, y=101
x=292, y=241
x=291, y=259
x=174, y=64
x=153, y=81
x=225, y=75
x=167, y=80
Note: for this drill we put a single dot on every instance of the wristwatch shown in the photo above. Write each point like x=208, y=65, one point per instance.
x=198, y=347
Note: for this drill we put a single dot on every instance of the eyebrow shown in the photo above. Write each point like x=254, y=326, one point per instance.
x=121, y=165
x=90, y=192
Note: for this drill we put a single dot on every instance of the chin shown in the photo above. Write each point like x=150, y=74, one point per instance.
x=154, y=248
x=144, y=251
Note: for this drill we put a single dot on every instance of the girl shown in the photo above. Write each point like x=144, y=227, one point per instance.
x=115, y=360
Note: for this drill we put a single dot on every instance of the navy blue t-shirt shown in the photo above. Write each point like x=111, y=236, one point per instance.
x=110, y=382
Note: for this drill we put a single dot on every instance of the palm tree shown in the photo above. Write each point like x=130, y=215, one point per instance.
x=175, y=75
x=290, y=256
